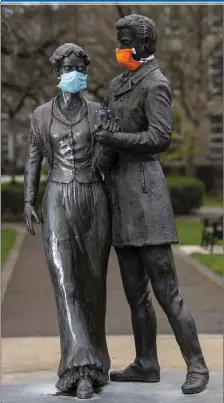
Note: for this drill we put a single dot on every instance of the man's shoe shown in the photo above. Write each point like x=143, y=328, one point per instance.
x=84, y=388
x=195, y=383
x=134, y=374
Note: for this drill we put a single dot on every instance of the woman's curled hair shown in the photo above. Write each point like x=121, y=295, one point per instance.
x=64, y=51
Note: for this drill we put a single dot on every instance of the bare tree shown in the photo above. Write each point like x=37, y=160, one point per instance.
x=190, y=43
x=30, y=34
x=27, y=38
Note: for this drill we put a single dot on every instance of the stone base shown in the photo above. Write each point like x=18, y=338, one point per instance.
x=42, y=390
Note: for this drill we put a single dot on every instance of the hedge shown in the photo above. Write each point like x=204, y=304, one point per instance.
x=12, y=198
x=186, y=194
x=208, y=174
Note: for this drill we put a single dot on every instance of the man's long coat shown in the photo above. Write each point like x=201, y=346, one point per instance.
x=141, y=207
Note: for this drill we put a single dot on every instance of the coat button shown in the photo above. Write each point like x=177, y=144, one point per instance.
x=122, y=98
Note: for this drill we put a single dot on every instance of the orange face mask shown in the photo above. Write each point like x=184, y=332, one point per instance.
x=124, y=57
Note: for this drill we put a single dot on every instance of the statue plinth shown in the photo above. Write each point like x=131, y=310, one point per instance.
x=42, y=390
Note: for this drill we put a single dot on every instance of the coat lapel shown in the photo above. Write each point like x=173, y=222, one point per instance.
x=138, y=75
x=47, y=118
x=93, y=118
x=145, y=69
x=124, y=87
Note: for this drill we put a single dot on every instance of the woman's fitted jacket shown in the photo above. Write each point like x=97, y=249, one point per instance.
x=39, y=146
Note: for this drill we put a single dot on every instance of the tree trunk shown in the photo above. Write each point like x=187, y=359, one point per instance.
x=12, y=153
x=190, y=161
x=190, y=166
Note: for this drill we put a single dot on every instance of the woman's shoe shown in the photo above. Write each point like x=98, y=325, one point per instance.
x=84, y=388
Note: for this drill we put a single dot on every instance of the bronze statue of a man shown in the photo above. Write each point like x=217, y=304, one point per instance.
x=142, y=217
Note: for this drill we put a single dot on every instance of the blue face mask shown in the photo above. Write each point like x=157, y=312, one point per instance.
x=73, y=82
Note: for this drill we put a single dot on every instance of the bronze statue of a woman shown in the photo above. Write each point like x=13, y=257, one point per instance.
x=75, y=221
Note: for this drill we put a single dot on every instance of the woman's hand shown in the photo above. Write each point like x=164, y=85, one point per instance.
x=29, y=212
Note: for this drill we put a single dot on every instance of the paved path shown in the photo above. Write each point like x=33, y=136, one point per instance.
x=210, y=211
x=27, y=356
x=189, y=249
x=29, y=307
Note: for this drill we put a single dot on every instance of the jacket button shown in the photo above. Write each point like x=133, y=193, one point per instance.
x=122, y=99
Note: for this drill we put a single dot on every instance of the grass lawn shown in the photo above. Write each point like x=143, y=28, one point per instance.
x=189, y=231
x=210, y=201
x=214, y=262
x=8, y=237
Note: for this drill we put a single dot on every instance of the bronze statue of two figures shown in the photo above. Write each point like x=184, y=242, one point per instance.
x=106, y=187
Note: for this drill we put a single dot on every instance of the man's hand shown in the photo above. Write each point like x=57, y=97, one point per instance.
x=110, y=126
x=105, y=134
x=104, y=137
x=29, y=212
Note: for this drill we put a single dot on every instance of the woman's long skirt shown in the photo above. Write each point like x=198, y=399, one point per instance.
x=77, y=240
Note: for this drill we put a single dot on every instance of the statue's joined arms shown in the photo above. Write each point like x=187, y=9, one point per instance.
x=104, y=157
x=156, y=139
x=32, y=175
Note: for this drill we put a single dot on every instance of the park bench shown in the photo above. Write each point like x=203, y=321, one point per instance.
x=212, y=231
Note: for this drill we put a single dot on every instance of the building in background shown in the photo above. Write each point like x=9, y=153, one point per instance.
x=211, y=145
x=179, y=44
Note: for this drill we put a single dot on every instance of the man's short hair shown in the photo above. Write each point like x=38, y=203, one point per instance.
x=64, y=51
x=142, y=27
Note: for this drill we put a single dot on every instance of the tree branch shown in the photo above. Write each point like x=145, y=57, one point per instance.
x=123, y=10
